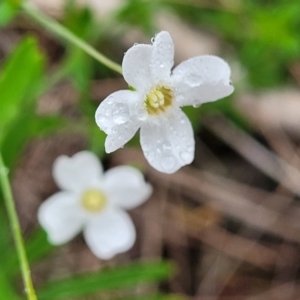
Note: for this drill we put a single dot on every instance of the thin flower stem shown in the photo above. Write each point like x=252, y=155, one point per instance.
x=63, y=32
x=16, y=230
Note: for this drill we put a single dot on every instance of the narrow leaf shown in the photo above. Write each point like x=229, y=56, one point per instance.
x=125, y=276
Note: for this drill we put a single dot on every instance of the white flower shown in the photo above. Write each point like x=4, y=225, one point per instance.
x=166, y=134
x=94, y=202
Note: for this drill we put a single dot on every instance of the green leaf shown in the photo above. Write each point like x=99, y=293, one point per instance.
x=6, y=289
x=19, y=80
x=36, y=246
x=8, y=9
x=124, y=276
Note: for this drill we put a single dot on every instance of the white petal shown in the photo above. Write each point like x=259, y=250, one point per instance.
x=78, y=172
x=168, y=144
x=162, y=59
x=115, y=110
x=202, y=79
x=126, y=186
x=136, y=66
x=60, y=217
x=109, y=234
x=117, y=116
x=123, y=134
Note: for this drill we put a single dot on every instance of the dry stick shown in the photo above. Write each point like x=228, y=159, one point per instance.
x=238, y=247
x=266, y=161
x=281, y=144
x=228, y=131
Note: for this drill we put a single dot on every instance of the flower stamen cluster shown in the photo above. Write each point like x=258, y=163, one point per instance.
x=159, y=100
x=93, y=200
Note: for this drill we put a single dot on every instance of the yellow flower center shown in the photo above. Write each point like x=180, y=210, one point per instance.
x=93, y=200
x=158, y=100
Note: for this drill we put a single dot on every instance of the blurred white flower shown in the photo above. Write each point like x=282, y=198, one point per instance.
x=166, y=135
x=94, y=202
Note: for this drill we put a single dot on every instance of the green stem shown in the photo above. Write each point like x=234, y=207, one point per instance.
x=16, y=230
x=63, y=32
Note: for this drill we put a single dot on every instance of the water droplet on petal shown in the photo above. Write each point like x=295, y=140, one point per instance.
x=110, y=100
x=166, y=146
x=142, y=114
x=120, y=114
x=193, y=80
x=168, y=163
x=150, y=156
x=185, y=156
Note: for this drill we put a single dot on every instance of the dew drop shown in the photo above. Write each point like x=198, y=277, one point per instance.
x=166, y=146
x=121, y=114
x=185, y=156
x=193, y=80
x=150, y=156
x=168, y=163
x=110, y=100
x=108, y=112
x=142, y=114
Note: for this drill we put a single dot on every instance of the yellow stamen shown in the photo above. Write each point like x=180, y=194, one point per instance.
x=93, y=200
x=158, y=100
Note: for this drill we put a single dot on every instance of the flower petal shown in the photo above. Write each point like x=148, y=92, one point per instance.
x=111, y=233
x=117, y=116
x=168, y=144
x=123, y=134
x=61, y=217
x=202, y=79
x=117, y=109
x=78, y=172
x=136, y=66
x=162, y=59
x=126, y=186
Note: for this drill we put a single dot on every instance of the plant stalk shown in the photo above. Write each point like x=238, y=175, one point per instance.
x=66, y=34
x=16, y=230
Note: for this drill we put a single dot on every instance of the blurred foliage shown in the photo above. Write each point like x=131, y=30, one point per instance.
x=139, y=13
x=120, y=277
x=8, y=10
x=265, y=35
